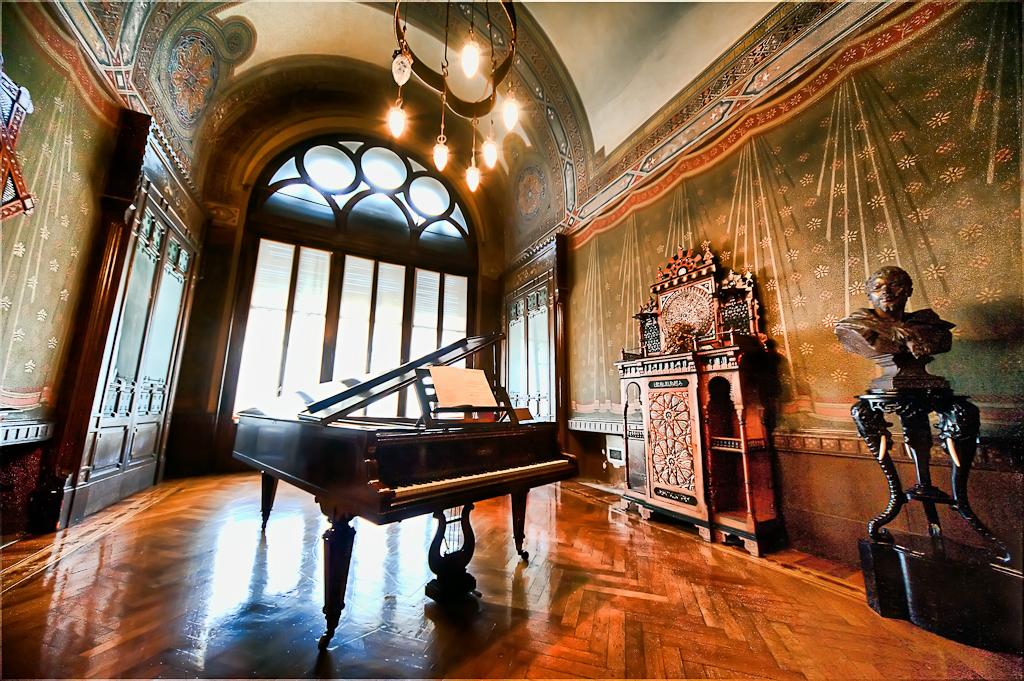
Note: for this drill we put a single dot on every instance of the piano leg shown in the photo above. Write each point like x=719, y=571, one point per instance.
x=519, y=522
x=338, y=540
x=269, y=484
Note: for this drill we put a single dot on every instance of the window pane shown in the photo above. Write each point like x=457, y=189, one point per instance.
x=354, y=319
x=424, y=326
x=264, y=331
x=387, y=331
x=383, y=168
x=456, y=304
x=330, y=168
x=424, y=313
x=306, y=338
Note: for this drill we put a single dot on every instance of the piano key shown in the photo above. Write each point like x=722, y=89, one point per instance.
x=427, y=489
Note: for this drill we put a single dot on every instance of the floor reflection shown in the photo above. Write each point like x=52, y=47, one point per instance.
x=191, y=588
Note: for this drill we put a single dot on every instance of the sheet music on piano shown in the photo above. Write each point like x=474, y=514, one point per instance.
x=458, y=387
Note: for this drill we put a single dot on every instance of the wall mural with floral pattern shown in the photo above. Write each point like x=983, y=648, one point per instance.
x=62, y=150
x=912, y=160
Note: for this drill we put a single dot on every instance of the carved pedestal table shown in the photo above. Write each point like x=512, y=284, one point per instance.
x=962, y=592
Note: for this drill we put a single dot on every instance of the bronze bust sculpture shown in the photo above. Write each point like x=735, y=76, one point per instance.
x=900, y=342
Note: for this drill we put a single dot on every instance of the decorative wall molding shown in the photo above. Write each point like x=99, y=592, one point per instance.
x=772, y=36
x=21, y=433
x=994, y=454
x=595, y=426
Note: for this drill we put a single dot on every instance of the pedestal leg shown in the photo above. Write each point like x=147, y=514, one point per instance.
x=269, y=484
x=958, y=428
x=452, y=582
x=519, y=522
x=338, y=540
x=917, y=433
x=872, y=426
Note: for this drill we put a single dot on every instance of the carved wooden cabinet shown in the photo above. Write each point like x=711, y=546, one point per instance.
x=695, y=395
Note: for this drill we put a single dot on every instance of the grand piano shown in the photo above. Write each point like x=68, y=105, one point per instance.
x=386, y=469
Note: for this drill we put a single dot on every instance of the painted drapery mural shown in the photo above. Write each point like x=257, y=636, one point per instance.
x=913, y=160
x=62, y=148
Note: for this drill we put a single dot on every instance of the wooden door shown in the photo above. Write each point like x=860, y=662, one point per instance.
x=125, y=444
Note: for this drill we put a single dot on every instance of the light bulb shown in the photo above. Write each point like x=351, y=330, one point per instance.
x=401, y=68
x=510, y=112
x=490, y=151
x=472, y=177
x=440, y=155
x=470, y=58
x=396, y=120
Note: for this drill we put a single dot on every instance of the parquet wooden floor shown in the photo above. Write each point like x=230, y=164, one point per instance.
x=179, y=582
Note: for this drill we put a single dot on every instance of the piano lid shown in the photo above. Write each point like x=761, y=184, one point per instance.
x=350, y=400
x=287, y=405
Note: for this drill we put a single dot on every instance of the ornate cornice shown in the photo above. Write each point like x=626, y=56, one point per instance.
x=532, y=251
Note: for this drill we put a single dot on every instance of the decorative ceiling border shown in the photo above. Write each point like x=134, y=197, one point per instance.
x=67, y=55
x=791, y=48
x=869, y=49
x=112, y=43
x=771, y=35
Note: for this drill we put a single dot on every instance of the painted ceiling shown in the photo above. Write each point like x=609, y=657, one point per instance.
x=628, y=59
x=613, y=92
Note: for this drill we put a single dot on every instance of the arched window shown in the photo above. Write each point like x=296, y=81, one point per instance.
x=361, y=259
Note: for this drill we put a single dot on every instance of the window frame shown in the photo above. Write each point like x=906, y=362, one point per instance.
x=294, y=230
x=339, y=244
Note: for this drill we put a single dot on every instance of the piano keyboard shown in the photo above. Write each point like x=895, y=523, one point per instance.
x=428, y=489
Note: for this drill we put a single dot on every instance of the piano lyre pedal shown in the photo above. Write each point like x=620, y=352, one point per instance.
x=385, y=469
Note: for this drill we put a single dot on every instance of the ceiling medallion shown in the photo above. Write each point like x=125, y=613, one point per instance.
x=405, y=63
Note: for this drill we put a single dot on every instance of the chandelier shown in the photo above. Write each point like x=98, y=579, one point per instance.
x=405, y=62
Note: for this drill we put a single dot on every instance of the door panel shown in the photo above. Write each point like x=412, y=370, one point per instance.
x=106, y=453
x=144, y=442
x=133, y=399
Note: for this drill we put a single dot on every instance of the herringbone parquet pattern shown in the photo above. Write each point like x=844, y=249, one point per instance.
x=187, y=587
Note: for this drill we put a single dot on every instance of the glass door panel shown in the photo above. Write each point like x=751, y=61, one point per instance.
x=456, y=302
x=539, y=363
x=137, y=297
x=424, y=313
x=517, y=362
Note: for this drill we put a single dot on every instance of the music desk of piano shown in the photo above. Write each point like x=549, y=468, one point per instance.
x=386, y=469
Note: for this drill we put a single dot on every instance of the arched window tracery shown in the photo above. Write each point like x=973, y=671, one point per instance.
x=364, y=190
x=359, y=259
